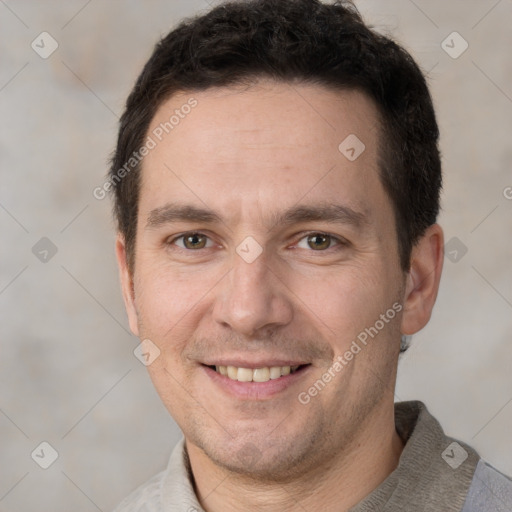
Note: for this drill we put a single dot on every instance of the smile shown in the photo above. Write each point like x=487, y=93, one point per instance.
x=263, y=374
x=255, y=380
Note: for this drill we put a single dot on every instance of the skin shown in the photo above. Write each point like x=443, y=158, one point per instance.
x=249, y=154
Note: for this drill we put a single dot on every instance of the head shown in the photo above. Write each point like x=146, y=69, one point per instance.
x=284, y=205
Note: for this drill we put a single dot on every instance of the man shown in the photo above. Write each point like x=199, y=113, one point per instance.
x=276, y=182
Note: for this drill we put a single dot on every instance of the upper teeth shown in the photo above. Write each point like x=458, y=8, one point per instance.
x=255, y=375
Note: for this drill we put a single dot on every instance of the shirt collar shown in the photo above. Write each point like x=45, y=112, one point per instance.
x=420, y=464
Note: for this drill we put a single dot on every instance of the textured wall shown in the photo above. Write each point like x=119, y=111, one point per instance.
x=67, y=372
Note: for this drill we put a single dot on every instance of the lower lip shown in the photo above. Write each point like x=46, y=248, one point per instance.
x=256, y=390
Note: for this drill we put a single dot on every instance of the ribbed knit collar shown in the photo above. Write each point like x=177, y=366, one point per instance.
x=423, y=480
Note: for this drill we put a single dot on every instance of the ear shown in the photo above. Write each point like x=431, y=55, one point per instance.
x=423, y=278
x=126, y=284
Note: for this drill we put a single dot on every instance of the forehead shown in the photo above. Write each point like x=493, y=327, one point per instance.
x=268, y=144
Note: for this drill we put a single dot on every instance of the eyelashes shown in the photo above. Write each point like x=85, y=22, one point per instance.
x=314, y=241
x=322, y=236
x=199, y=239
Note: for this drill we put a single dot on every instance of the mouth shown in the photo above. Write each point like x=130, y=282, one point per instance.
x=261, y=374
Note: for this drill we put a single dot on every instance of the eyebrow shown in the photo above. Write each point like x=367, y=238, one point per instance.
x=328, y=212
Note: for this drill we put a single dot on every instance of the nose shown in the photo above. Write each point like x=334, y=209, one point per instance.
x=252, y=299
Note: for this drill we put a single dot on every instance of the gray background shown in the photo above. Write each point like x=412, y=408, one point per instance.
x=68, y=375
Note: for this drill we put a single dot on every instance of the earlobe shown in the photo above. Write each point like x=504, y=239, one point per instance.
x=423, y=279
x=126, y=284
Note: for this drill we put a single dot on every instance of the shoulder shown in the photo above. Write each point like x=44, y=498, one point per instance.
x=490, y=490
x=146, y=498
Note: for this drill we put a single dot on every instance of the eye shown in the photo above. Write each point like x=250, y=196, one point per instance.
x=192, y=241
x=319, y=241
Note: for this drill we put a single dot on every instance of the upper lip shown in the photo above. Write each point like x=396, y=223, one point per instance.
x=253, y=364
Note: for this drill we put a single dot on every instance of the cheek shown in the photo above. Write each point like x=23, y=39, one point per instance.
x=345, y=293
x=168, y=302
x=346, y=302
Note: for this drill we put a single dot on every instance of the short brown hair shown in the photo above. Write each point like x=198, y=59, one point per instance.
x=293, y=40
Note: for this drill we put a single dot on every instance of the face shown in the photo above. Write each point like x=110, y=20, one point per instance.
x=264, y=247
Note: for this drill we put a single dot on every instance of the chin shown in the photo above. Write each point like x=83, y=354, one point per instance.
x=277, y=460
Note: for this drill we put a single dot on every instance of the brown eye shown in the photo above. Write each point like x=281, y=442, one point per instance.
x=318, y=241
x=321, y=242
x=192, y=241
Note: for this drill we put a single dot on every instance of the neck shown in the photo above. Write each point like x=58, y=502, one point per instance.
x=335, y=485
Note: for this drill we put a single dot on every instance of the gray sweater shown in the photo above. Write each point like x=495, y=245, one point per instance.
x=435, y=473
